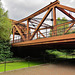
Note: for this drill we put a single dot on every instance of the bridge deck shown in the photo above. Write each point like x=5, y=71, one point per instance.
x=63, y=39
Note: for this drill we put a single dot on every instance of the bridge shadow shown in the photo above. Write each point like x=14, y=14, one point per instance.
x=64, y=62
x=39, y=55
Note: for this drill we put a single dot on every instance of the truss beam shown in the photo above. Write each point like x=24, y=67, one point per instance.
x=45, y=25
x=47, y=13
x=65, y=23
x=69, y=28
x=67, y=8
x=20, y=32
x=54, y=21
x=66, y=13
x=41, y=34
x=39, y=12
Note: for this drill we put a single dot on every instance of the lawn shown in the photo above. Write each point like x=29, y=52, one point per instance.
x=61, y=54
x=17, y=65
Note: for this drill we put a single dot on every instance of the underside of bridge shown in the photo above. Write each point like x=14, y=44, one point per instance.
x=39, y=50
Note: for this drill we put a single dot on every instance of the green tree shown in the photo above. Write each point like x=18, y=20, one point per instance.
x=60, y=30
x=5, y=50
x=5, y=31
x=5, y=24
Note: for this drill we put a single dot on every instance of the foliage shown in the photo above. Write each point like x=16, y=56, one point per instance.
x=73, y=31
x=5, y=24
x=60, y=29
x=4, y=50
x=61, y=54
x=5, y=29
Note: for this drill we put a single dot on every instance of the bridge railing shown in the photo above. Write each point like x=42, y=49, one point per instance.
x=60, y=30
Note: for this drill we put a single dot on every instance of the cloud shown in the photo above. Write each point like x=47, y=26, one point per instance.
x=22, y=8
x=71, y=1
x=19, y=9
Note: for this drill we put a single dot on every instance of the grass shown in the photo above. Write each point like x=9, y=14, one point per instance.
x=60, y=54
x=17, y=65
x=68, y=56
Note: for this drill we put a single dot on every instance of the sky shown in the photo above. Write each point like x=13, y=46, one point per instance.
x=18, y=9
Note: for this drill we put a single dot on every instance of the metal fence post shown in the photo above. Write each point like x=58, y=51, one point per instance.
x=5, y=65
x=28, y=61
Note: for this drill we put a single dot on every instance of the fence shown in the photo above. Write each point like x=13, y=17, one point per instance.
x=30, y=61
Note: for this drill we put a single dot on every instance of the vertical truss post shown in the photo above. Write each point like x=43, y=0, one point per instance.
x=29, y=32
x=13, y=34
x=54, y=21
x=27, y=29
x=37, y=34
x=46, y=31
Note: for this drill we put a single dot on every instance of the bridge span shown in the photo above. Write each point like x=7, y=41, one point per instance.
x=37, y=32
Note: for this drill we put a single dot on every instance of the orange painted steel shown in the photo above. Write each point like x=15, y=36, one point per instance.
x=69, y=27
x=39, y=12
x=20, y=32
x=27, y=29
x=67, y=8
x=50, y=40
x=54, y=21
x=66, y=13
x=27, y=36
x=39, y=25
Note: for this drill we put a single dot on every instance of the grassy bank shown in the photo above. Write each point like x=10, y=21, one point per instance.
x=17, y=65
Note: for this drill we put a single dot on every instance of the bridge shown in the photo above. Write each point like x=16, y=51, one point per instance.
x=39, y=32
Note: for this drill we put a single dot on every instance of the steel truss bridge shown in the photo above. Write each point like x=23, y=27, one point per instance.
x=33, y=31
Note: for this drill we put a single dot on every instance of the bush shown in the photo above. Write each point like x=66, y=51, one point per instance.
x=5, y=50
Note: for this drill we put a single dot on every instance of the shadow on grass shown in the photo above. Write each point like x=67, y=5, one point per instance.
x=63, y=62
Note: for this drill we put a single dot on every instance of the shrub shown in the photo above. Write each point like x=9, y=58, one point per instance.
x=5, y=50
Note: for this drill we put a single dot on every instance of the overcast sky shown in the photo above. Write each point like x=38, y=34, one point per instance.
x=19, y=9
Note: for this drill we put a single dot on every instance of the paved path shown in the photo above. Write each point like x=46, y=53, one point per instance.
x=47, y=69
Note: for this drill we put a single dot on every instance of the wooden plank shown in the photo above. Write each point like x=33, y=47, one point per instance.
x=39, y=25
x=39, y=12
x=67, y=8
x=54, y=22
x=69, y=28
x=20, y=32
x=66, y=13
x=41, y=34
